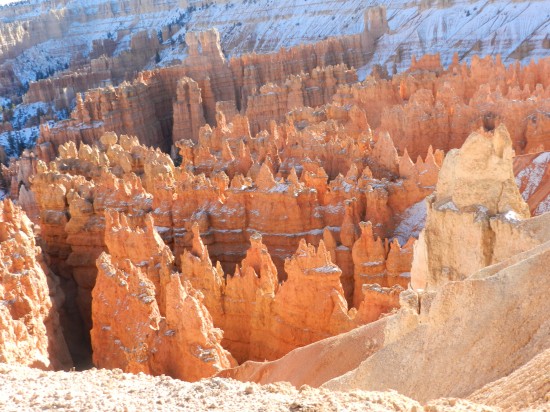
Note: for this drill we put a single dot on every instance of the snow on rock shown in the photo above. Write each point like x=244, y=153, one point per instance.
x=514, y=29
x=24, y=112
x=412, y=222
x=530, y=178
x=543, y=206
x=15, y=141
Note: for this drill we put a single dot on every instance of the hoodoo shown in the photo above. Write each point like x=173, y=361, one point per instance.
x=290, y=205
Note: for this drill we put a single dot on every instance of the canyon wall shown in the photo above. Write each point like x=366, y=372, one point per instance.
x=61, y=90
x=153, y=98
x=74, y=192
x=30, y=298
x=426, y=106
x=461, y=323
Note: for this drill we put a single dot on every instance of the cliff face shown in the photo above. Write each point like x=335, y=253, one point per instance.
x=29, y=321
x=105, y=69
x=454, y=336
x=102, y=45
x=476, y=187
x=156, y=107
x=425, y=106
x=75, y=191
x=146, y=319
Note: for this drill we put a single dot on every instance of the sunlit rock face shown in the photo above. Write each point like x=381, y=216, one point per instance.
x=30, y=331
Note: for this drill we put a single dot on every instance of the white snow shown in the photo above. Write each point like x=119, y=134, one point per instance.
x=448, y=206
x=532, y=175
x=26, y=136
x=4, y=102
x=24, y=112
x=280, y=187
x=412, y=222
x=327, y=269
x=543, y=206
x=511, y=216
x=261, y=26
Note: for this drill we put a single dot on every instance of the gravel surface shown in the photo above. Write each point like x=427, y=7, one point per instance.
x=26, y=389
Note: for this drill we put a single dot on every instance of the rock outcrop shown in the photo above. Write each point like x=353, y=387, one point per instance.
x=73, y=192
x=476, y=188
x=30, y=330
x=76, y=190
x=454, y=339
x=145, y=317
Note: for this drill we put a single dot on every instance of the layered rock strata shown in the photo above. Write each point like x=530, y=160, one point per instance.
x=424, y=106
x=73, y=192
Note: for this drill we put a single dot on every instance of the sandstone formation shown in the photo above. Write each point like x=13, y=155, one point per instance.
x=421, y=108
x=253, y=193
x=145, y=318
x=157, y=108
x=486, y=351
x=426, y=106
x=30, y=331
x=476, y=186
x=75, y=191
x=532, y=177
x=62, y=90
x=258, y=316
x=409, y=351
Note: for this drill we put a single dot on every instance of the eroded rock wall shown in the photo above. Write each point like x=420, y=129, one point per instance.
x=30, y=330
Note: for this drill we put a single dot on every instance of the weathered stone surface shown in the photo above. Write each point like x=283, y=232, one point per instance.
x=145, y=318
x=128, y=177
x=476, y=187
x=30, y=331
x=454, y=337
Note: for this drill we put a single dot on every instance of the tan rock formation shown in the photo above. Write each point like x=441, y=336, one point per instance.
x=30, y=331
x=476, y=184
x=526, y=387
x=188, y=111
x=498, y=294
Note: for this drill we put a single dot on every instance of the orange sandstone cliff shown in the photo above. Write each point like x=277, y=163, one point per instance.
x=145, y=317
x=30, y=330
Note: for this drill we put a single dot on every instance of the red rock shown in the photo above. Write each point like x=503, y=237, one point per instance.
x=29, y=320
x=145, y=318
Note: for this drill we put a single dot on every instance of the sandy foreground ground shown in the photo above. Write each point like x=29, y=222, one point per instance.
x=26, y=389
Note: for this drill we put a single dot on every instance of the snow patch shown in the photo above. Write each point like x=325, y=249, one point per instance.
x=532, y=175
x=543, y=206
x=412, y=222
